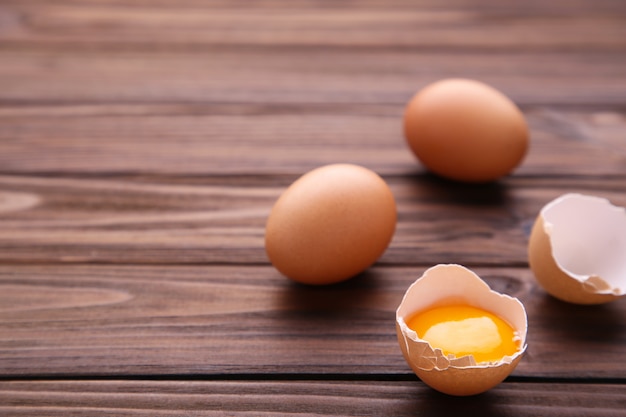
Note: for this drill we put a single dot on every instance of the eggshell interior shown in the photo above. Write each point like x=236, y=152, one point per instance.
x=451, y=284
x=577, y=249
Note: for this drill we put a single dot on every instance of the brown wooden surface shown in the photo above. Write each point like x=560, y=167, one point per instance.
x=143, y=143
x=308, y=398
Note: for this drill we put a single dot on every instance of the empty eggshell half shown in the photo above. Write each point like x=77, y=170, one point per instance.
x=577, y=249
x=454, y=284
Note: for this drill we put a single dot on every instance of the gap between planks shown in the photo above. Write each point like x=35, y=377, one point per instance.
x=329, y=377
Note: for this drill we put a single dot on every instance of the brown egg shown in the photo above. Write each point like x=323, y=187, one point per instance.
x=465, y=130
x=330, y=224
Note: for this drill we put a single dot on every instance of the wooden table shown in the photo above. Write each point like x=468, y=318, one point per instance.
x=143, y=143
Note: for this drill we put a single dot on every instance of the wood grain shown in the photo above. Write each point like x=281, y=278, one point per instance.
x=302, y=398
x=249, y=139
x=318, y=76
x=192, y=220
x=394, y=24
x=230, y=320
x=143, y=143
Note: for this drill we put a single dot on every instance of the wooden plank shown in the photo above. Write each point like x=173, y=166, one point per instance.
x=64, y=320
x=484, y=24
x=193, y=220
x=91, y=75
x=142, y=145
x=249, y=139
x=302, y=398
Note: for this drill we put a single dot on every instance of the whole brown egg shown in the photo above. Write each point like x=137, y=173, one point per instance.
x=330, y=224
x=465, y=130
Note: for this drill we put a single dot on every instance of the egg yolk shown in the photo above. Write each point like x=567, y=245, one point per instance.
x=462, y=330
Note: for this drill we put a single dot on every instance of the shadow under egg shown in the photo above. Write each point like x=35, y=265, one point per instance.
x=341, y=298
x=494, y=193
x=427, y=401
x=597, y=324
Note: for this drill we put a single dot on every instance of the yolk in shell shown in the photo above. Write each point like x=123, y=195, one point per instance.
x=462, y=330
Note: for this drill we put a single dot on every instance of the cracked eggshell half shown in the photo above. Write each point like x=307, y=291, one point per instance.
x=454, y=284
x=577, y=249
